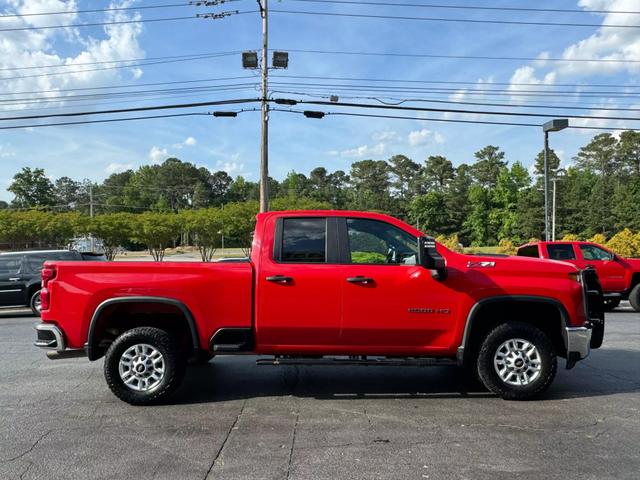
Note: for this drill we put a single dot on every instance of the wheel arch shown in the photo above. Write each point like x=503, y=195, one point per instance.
x=479, y=320
x=111, y=306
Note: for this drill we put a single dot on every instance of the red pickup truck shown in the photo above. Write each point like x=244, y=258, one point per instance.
x=325, y=287
x=619, y=277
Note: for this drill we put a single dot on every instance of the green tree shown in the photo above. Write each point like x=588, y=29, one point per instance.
x=32, y=188
x=370, y=180
x=114, y=230
x=438, y=172
x=405, y=174
x=207, y=226
x=489, y=162
x=158, y=231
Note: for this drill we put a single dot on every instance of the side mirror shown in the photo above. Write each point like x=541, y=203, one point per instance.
x=430, y=259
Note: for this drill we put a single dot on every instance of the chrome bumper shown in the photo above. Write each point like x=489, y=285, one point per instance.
x=51, y=338
x=577, y=340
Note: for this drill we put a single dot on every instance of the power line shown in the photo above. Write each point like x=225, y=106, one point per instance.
x=98, y=10
x=460, y=111
x=107, y=95
x=111, y=120
x=115, y=67
x=455, y=82
x=102, y=62
x=466, y=7
x=449, y=91
x=124, y=22
x=483, y=104
x=137, y=109
x=448, y=120
x=131, y=85
x=460, y=57
x=455, y=20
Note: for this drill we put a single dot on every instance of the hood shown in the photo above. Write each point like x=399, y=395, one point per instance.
x=513, y=264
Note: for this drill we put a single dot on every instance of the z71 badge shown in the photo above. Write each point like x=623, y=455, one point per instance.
x=481, y=264
x=437, y=311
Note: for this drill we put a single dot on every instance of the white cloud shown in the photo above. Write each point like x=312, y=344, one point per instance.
x=40, y=48
x=189, y=142
x=385, y=136
x=157, y=155
x=362, y=151
x=232, y=167
x=118, y=168
x=424, y=137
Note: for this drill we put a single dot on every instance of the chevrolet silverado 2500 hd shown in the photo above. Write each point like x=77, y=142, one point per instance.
x=325, y=287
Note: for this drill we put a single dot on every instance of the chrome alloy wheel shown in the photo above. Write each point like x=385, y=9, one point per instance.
x=517, y=362
x=141, y=367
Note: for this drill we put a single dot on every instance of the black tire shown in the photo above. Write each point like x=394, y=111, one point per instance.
x=34, y=303
x=610, y=304
x=634, y=298
x=546, y=356
x=174, y=365
x=201, y=358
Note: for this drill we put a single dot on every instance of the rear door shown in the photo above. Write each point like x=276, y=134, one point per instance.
x=298, y=289
x=610, y=272
x=11, y=284
x=561, y=251
x=390, y=303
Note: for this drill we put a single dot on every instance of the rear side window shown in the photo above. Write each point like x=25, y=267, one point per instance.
x=304, y=240
x=529, y=251
x=561, y=251
x=10, y=265
x=33, y=264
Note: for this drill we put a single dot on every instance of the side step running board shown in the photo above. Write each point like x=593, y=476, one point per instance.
x=363, y=361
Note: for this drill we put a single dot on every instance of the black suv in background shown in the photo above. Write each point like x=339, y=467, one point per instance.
x=20, y=275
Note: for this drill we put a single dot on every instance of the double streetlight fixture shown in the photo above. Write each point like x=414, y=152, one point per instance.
x=554, y=125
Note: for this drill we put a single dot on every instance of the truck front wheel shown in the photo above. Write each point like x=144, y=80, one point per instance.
x=517, y=361
x=634, y=298
x=143, y=366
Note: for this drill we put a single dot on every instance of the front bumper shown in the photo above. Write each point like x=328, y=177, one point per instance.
x=578, y=341
x=51, y=338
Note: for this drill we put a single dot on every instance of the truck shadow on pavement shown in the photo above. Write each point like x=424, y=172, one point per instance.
x=606, y=372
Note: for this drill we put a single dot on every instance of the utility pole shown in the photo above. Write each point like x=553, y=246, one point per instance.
x=264, y=146
x=93, y=240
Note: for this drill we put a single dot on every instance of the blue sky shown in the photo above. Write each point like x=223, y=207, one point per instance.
x=297, y=143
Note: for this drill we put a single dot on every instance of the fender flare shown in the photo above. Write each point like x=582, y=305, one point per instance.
x=90, y=346
x=564, y=316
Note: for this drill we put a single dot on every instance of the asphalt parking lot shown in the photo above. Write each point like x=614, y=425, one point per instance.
x=235, y=420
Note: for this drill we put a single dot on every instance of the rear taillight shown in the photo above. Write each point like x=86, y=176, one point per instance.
x=48, y=273
x=44, y=299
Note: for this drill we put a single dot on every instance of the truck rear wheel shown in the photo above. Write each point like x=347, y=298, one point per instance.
x=143, y=366
x=634, y=298
x=517, y=361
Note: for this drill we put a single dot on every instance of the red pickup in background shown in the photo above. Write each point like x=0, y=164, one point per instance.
x=325, y=287
x=619, y=277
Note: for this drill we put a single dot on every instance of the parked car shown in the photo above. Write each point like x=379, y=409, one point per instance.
x=325, y=288
x=20, y=275
x=619, y=277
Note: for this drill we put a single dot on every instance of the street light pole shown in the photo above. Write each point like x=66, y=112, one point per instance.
x=264, y=146
x=554, y=125
x=553, y=208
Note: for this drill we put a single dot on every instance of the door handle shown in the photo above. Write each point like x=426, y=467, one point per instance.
x=360, y=280
x=14, y=279
x=279, y=279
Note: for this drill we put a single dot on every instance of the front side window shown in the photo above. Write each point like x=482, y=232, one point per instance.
x=375, y=242
x=304, y=240
x=561, y=251
x=591, y=252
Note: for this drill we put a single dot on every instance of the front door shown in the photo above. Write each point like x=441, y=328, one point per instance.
x=390, y=302
x=298, y=289
x=11, y=284
x=610, y=272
